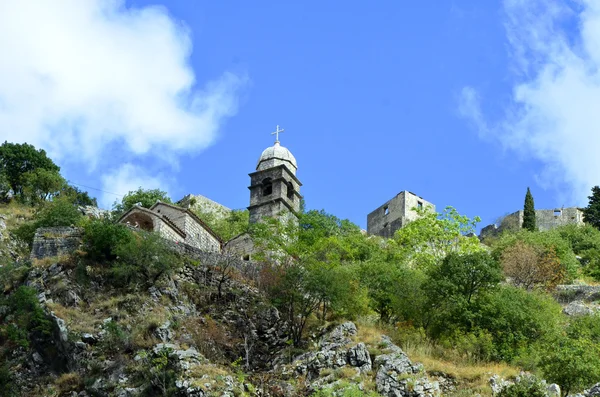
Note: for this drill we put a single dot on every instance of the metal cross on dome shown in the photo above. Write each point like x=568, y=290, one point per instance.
x=276, y=133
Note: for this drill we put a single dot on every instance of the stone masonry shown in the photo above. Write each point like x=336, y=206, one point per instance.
x=55, y=241
x=545, y=220
x=395, y=214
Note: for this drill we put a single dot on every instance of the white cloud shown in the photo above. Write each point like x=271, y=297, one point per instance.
x=554, y=115
x=126, y=178
x=83, y=77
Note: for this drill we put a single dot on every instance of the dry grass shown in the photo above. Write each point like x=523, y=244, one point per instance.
x=471, y=377
x=45, y=263
x=16, y=213
x=68, y=382
x=77, y=320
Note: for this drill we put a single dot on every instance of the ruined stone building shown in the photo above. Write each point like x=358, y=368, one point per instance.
x=174, y=223
x=395, y=214
x=544, y=219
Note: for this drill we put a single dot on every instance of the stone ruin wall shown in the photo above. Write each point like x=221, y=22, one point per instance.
x=55, y=241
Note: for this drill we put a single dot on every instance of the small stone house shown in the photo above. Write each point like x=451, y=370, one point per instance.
x=174, y=223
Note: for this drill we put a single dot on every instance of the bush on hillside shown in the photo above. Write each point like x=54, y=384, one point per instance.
x=141, y=260
x=102, y=237
x=60, y=212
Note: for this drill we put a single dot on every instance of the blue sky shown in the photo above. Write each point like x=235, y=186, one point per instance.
x=463, y=102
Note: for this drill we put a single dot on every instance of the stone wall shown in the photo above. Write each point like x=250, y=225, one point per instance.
x=395, y=213
x=167, y=231
x=199, y=237
x=544, y=219
x=55, y=241
x=241, y=246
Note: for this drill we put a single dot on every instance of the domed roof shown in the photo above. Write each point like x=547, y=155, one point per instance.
x=276, y=155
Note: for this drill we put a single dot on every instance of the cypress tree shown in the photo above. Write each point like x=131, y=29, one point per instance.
x=591, y=213
x=529, y=213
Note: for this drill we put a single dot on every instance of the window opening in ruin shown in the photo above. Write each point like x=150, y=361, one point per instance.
x=385, y=225
x=267, y=188
x=290, y=191
x=419, y=205
x=386, y=210
x=557, y=212
x=246, y=257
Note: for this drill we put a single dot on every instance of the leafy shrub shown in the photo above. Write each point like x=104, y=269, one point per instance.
x=143, y=259
x=516, y=319
x=27, y=318
x=102, y=237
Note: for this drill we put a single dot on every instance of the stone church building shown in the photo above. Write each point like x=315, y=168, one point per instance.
x=174, y=223
x=274, y=192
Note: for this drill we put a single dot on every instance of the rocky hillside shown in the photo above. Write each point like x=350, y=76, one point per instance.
x=149, y=319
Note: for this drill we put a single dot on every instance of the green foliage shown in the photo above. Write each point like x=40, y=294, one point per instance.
x=234, y=224
x=572, y=363
x=545, y=242
x=426, y=241
x=516, y=319
x=527, y=386
x=41, y=184
x=60, y=212
x=13, y=274
x=147, y=198
x=159, y=373
x=529, y=213
x=102, y=237
x=460, y=278
x=7, y=381
x=585, y=243
x=310, y=268
x=18, y=159
x=591, y=213
x=117, y=339
x=25, y=319
x=141, y=260
x=572, y=359
x=394, y=290
x=453, y=288
x=77, y=196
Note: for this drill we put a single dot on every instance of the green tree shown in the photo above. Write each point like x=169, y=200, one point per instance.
x=453, y=286
x=308, y=267
x=529, y=213
x=18, y=159
x=146, y=197
x=591, y=213
x=572, y=363
x=141, y=260
x=427, y=240
x=78, y=196
x=42, y=184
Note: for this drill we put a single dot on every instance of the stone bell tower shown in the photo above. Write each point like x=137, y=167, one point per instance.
x=274, y=187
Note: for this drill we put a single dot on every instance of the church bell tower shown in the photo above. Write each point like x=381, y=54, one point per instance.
x=274, y=187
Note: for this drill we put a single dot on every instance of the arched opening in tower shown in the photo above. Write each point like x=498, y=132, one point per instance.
x=267, y=187
x=290, y=191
